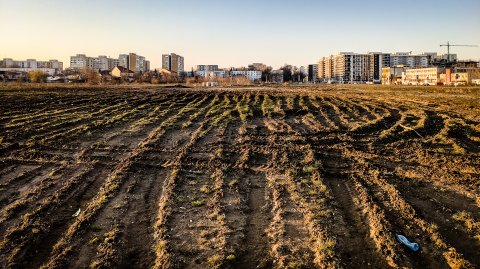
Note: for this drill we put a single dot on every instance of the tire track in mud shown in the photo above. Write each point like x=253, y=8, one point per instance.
x=120, y=174
x=49, y=184
x=439, y=207
x=252, y=166
x=405, y=220
x=59, y=230
x=293, y=242
x=434, y=205
x=270, y=179
x=356, y=248
x=181, y=189
x=131, y=213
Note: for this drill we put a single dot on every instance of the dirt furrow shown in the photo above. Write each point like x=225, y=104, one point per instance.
x=354, y=244
x=109, y=188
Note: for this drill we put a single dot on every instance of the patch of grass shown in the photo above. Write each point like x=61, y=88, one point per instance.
x=197, y=203
x=205, y=189
x=95, y=264
x=179, y=198
x=215, y=261
x=458, y=149
x=470, y=225
x=96, y=228
x=93, y=240
x=309, y=169
x=328, y=248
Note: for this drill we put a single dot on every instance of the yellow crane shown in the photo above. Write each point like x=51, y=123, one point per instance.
x=448, y=45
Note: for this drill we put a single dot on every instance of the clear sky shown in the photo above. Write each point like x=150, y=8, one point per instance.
x=234, y=33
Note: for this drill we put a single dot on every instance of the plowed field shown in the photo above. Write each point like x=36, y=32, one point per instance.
x=239, y=178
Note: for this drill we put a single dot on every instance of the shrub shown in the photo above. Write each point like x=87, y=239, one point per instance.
x=37, y=76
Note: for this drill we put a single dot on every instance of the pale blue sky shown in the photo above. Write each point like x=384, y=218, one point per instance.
x=234, y=33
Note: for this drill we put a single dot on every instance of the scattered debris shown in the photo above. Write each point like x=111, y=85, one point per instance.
x=76, y=213
x=402, y=239
x=411, y=129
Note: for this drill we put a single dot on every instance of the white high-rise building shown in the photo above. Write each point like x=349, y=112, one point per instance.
x=408, y=59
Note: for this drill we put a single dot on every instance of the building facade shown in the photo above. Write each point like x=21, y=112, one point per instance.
x=134, y=62
x=392, y=75
x=81, y=61
x=206, y=68
x=252, y=75
x=408, y=59
x=463, y=76
x=422, y=76
x=130, y=61
x=378, y=60
x=349, y=67
x=50, y=66
x=173, y=63
x=313, y=73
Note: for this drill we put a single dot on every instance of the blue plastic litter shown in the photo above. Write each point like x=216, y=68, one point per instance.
x=402, y=239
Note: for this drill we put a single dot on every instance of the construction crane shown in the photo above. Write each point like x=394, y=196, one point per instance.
x=448, y=45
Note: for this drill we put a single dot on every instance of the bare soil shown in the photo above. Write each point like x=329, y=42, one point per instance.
x=299, y=177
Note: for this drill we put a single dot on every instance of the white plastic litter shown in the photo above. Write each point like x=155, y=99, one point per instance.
x=76, y=213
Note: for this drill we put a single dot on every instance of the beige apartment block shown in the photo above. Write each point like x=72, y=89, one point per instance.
x=422, y=76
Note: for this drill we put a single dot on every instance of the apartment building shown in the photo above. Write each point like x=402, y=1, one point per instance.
x=100, y=63
x=81, y=61
x=408, y=59
x=130, y=61
x=134, y=62
x=342, y=66
x=173, y=63
x=321, y=70
x=206, y=68
x=252, y=75
x=378, y=60
x=211, y=73
x=51, y=66
x=312, y=72
x=103, y=63
x=422, y=76
x=326, y=69
x=349, y=67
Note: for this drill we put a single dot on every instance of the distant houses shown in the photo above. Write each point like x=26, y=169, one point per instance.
x=404, y=68
x=18, y=70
